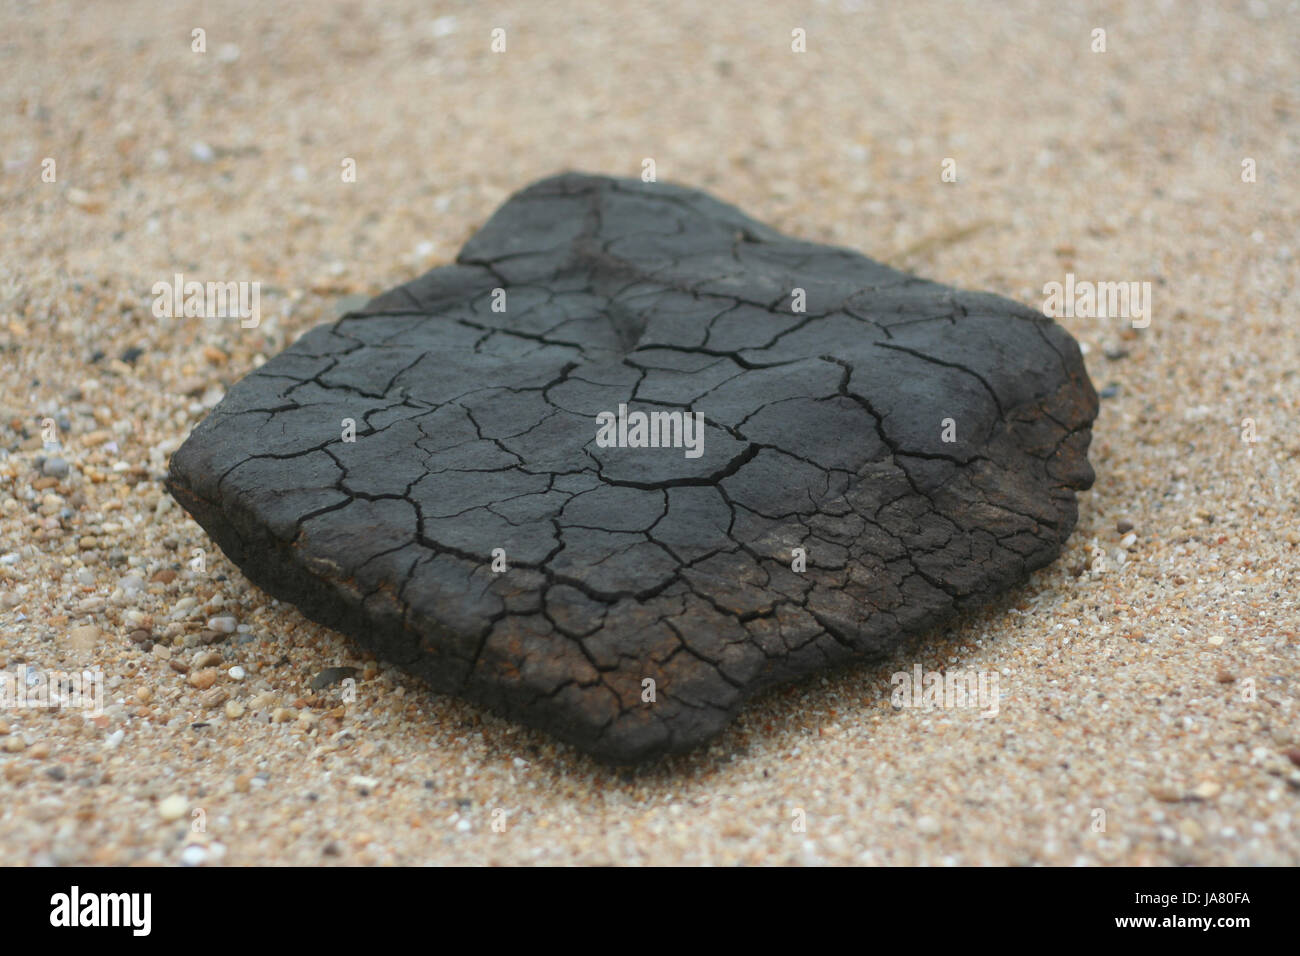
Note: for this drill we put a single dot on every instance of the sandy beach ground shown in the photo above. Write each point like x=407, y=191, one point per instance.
x=1148, y=681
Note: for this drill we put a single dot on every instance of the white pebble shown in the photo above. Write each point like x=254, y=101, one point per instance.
x=222, y=625
x=193, y=855
x=237, y=673
x=202, y=152
x=173, y=807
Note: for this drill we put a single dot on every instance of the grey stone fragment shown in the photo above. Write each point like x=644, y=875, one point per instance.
x=922, y=445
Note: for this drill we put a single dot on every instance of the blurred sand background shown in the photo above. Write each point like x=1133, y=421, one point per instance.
x=1158, y=684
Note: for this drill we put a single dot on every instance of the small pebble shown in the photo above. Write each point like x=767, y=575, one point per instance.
x=55, y=467
x=215, y=697
x=1192, y=830
x=927, y=825
x=84, y=637
x=234, y=709
x=203, y=679
x=1123, y=526
x=194, y=855
x=236, y=673
x=173, y=807
x=223, y=625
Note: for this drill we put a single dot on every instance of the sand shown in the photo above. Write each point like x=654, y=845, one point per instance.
x=1147, y=681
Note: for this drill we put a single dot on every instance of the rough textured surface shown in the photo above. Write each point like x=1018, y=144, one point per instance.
x=921, y=445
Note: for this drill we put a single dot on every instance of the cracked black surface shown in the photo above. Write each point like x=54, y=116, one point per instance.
x=475, y=430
